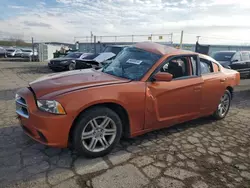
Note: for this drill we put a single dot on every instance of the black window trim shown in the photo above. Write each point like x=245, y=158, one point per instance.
x=150, y=79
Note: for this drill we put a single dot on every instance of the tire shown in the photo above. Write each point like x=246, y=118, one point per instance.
x=225, y=100
x=87, y=124
x=72, y=66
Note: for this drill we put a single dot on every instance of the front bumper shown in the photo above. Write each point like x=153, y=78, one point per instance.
x=57, y=66
x=48, y=129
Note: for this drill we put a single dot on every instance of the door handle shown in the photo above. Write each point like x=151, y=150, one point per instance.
x=223, y=80
x=197, y=88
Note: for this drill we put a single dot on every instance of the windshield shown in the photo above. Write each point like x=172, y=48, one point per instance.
x=223, y=56
x=91, y=56
x=113, y=49
x=74, y=55
x=10, y=50
x=132, y=63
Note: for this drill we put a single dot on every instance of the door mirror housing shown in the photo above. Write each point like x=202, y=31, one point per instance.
x=234, y=60
x=163, y=76
x=227, y=66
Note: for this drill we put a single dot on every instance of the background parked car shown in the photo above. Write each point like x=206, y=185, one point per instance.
x=116, y=49
x=12, y=52
x=239, y=61
x=62, y=63
x=91, y=61
x=2, y=52
x=28, y=53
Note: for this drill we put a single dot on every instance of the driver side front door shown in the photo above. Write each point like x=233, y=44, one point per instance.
x=173, y=102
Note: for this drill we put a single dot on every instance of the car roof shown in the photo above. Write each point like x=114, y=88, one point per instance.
x=161, y=49
x=121, y=46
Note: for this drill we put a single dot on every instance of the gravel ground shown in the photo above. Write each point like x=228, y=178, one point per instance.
x=198, y=154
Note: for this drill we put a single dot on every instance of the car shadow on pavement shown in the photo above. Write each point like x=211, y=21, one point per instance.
x=23, y=160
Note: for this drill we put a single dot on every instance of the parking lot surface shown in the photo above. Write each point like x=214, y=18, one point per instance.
x=198, y=154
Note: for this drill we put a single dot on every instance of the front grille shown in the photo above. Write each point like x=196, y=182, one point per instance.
x=22, y=107
x=54, y=62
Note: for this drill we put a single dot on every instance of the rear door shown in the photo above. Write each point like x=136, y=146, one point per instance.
x=213, y=87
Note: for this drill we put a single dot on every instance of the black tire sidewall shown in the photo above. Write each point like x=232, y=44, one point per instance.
x=73, y=64
x=82, y=121
x=217, y=114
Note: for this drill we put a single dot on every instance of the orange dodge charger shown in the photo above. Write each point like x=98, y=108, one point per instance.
x=147, y=86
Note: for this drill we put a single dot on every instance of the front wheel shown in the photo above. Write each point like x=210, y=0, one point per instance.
x=223, y=106
x=97, y=132
x=72, y=66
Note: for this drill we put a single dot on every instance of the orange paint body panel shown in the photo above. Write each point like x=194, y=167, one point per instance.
x=149, y=105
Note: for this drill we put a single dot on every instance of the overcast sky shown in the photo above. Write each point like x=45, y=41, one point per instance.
x=216, y=21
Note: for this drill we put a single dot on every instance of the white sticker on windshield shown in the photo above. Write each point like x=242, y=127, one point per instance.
x=134, y=61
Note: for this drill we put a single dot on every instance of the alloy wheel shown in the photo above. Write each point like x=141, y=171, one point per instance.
x=72, y=66
x=224, y=105
x=99, y=134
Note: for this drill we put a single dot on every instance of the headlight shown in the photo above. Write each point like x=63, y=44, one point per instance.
x=50, y=106
x=63, y=62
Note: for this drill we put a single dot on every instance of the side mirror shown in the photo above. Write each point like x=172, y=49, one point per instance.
x=163, y=76
x=235, y=60
x=228, y=67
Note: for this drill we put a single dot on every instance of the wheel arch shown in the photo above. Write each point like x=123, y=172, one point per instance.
x=231, y=90
x=117, y=108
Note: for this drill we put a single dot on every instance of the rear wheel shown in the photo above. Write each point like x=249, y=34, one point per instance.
x=223, y=106
x=97, y=132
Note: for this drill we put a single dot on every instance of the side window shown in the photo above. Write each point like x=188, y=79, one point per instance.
x=216, y=67
x=178, y=67
x=206, y=66
x=245, y=56
x=236, y=57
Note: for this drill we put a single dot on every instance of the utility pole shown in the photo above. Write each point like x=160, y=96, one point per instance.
x=171, y=38
x=33, y=50
x=91, y=35
x=181, y=40
x=95, y=44
x=198, y=38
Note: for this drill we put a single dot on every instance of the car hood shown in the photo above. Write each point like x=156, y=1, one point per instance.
x=62, y=59
x=224, y=63
x=59, y=83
